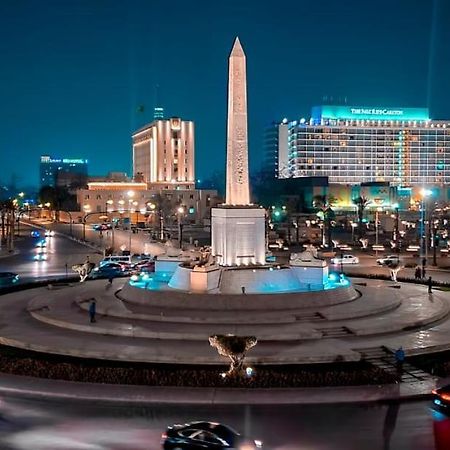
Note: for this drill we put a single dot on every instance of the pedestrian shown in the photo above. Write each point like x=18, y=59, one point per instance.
x=430, y=284
x=424, y=272
x=417, y=273
x=92, y=310
x=243, y=289
x=110, y=279
x=399, y=360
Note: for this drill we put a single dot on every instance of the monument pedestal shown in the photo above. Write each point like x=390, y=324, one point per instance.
x=238, y=235
x=204, y=279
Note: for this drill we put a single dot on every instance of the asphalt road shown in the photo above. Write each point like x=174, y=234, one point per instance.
x=60, y=251
x=41, y=425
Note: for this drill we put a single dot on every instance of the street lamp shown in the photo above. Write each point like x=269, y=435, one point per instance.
x=423, y=241
x=110, y=203
x=180, y=212
x=353, y=225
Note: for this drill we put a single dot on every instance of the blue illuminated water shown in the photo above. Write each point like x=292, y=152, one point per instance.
x=159, y=281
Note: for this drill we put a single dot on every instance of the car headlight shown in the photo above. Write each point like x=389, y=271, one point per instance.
x=258, y=443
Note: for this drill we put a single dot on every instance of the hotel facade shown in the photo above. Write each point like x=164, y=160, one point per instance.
x=351, y=145
x=163, y=154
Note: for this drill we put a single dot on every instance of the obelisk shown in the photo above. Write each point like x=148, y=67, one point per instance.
x=237, y=187
x=237, y=226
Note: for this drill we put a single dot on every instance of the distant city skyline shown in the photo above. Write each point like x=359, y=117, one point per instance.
x=83, y=76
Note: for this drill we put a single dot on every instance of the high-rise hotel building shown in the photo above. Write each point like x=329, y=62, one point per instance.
x=163, y=154
x=351, y=145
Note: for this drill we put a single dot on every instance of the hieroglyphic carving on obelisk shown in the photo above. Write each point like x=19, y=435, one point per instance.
x=237, y=144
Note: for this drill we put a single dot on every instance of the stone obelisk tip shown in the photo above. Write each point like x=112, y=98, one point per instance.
x=237, y=49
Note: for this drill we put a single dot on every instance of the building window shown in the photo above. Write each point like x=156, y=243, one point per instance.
x=86, y=197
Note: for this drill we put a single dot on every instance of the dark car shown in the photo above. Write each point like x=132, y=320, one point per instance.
x=8, y=278
x=109, y=270
x=441, y=397
x=205, y=435
x=144, y=266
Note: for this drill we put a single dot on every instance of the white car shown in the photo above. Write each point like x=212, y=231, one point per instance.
x=345, y=259
x=390, y=260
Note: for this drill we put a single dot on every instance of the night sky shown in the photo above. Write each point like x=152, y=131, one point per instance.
x=73, y=73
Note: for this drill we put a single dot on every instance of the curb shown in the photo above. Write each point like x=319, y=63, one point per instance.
x=29, y=387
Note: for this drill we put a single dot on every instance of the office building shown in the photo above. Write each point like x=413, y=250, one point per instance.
x=350, y=145
x=63, y=172
x=136, y=200
x=163, y=154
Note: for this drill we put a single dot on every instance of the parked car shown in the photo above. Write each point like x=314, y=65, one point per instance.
x=109, y=270
x=101, y=226
x=205, y=435
x=122, y=259
x=345, y=259
x=441, y=397
x=8, y=278
x=145, y=266
x=390, y=260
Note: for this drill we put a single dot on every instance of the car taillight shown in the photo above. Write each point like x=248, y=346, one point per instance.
x=164, y=436
x=435, y=392
x=445, y=397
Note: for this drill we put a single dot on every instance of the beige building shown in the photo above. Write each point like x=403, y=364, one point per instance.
x=163, y=154
x=135, y=200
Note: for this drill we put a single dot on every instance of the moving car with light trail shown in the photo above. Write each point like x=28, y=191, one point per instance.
x=205, y=435
x=8, y=278
x=441, y=397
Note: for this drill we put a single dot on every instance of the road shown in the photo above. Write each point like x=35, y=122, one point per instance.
x=60, y=251
x=43, y=425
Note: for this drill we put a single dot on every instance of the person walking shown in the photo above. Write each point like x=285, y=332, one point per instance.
x=424, y=272
x=417, y=273
x=92, y=311
x=399, y=360
x=430, y=285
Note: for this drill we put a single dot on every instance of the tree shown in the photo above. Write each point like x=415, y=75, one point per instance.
x=324, y=204
x=60, y=198
x=7, y=208
x=361, y=203
x=233, y=347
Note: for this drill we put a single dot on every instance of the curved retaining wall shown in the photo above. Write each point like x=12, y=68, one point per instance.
x=185, y=300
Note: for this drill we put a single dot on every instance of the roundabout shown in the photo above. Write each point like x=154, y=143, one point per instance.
x=169, y=327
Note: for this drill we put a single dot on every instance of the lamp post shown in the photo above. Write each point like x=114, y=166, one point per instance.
x=110, y=203
x=396, y=233
x=353, y=225
x=180, y=211
x=423, y=232
x=434, y=241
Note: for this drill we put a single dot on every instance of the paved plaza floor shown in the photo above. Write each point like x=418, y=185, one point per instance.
x=382, y=315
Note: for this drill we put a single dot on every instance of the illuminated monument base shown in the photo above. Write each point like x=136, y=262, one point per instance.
x=238, y=235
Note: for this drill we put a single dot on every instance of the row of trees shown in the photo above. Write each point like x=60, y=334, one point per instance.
x=324, y=204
